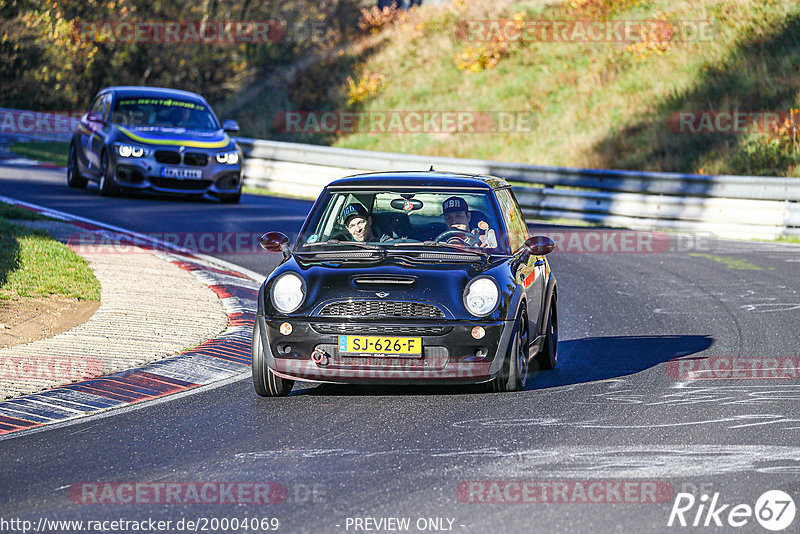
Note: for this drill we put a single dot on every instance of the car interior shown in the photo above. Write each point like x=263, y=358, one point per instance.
x=421, y=221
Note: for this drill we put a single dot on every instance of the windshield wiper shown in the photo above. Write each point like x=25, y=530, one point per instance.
x=460, y=248
x=359, y=244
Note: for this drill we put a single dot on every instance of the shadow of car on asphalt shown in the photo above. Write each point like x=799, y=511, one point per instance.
x=579, y=361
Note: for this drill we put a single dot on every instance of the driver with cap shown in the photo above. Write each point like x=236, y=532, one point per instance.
x=457, y=217
x=359, y=224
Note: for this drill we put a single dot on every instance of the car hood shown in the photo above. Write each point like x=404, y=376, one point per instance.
x=442, y=284
x=176, y=136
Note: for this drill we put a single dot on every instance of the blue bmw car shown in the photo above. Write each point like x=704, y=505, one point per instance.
x=161, y=140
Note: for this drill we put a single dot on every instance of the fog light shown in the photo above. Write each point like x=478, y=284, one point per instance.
x=286, y=329
x=478, y=332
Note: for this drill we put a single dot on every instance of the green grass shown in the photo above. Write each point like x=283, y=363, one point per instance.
x=34, y=264
x=57, y=153
x=268, y=193
x=595, y=104
x=789, y=239
x=730, y=263
x=9, y=211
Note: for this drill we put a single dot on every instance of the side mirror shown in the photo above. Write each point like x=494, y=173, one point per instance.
x=275, y=242
x=94, y=116
x=230, y=125
x=539, y=245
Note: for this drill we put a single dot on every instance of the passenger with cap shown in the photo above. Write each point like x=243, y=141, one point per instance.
x=458, y=217
x=359, y=224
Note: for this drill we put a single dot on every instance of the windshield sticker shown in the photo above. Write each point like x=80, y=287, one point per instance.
x=168, y=102
x=312, y=239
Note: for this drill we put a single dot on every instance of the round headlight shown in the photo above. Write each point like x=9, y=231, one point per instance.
x=233, y=158
x=125, y=151
x=222, y=157
x=481, y=296
x=287, y=293
x=137, y=152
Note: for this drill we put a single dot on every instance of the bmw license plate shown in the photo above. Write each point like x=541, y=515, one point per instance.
x=182, y=174
x=403, y=347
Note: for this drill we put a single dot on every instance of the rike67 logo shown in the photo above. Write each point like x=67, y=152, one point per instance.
x=774, y=510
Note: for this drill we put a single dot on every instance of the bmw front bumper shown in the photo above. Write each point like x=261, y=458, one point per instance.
x=192, y=171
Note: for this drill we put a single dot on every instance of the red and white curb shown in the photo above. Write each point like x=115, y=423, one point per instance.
x=220, y=358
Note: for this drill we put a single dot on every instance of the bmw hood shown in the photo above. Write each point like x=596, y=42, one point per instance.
x=177, y=136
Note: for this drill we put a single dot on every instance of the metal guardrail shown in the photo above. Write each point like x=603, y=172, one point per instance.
x=19, y=125
x=728, y=206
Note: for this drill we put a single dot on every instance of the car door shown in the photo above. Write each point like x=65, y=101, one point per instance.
x=529, y=268
x=100, y=132
x=86, y=129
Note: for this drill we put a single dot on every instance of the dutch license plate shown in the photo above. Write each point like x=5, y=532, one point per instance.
x=177, y=172
x=409, y=347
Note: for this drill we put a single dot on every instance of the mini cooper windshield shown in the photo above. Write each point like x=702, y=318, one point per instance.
x=151, y=112
x=446, y=218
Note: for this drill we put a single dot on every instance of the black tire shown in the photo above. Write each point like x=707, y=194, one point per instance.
x=548, y=356
x=514, y=375
x=74, y=177
x=265, y=382
x=107, y=187
x=231, y=199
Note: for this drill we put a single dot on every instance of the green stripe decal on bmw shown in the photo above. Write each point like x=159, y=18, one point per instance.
x=225, y=141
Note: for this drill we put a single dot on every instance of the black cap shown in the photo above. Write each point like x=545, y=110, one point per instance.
x=454, y=204
x=353, y=210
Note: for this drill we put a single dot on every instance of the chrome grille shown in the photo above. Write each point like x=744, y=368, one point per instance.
x=380, y=308
x=382, y=329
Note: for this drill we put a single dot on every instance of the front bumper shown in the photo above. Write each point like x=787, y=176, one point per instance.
x=451, y=354
x=145, y=173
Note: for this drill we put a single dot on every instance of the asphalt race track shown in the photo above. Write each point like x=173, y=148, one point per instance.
x=613, y=425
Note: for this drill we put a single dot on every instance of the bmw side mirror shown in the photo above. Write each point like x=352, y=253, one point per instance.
x=539, y=245
x=230, y=125
x=94, y=116
x=275, y=242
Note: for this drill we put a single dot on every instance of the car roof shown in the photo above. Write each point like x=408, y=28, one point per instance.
x=420, y=179
x=161, y=92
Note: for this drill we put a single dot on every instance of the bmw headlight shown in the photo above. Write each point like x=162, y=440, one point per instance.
x=126, y=150
x=288, y=293
x=231, y=158
x=481, y=296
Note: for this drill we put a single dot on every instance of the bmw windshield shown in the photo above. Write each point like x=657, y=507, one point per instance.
x=143, y=113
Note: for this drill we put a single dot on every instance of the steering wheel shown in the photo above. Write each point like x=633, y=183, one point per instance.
x=468, y=238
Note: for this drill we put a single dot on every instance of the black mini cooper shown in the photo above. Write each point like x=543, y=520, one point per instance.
x=155, y=139
x=407, y=278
